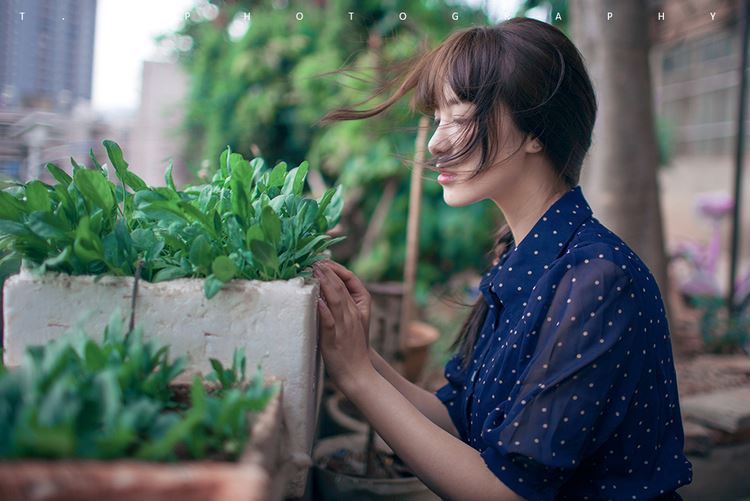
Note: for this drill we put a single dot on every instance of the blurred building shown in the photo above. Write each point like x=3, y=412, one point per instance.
x=695, y=63
x=46, y=65
x=156, y=136
x=31, y=138
x=695, y=72
x=48, y=52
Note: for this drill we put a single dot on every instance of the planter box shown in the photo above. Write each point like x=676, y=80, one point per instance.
x=260, y=474
x=275, y=321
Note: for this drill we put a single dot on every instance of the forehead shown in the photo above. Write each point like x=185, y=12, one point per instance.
x=449, y=99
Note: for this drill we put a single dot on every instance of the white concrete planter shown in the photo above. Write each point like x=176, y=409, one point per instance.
x=275, y=321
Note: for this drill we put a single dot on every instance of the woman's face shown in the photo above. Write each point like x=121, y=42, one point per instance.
x=493, y=182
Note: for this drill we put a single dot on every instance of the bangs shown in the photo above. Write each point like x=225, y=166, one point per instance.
x=457, y=62
x=439, y=69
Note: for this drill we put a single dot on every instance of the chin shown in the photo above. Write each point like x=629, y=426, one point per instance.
x=456, y=201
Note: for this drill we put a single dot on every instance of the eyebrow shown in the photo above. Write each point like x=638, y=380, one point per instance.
x=451, y=101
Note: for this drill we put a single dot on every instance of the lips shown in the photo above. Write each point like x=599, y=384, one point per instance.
x=446, y=177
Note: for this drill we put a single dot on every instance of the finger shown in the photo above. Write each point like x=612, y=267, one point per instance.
x=332, y=284
x=338, y=298
x=357, y=289
x=350, y=280
x=325, y=317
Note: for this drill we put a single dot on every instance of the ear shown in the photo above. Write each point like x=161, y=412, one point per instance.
x=533, y=145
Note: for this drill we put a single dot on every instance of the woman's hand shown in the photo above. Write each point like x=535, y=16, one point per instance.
x=356, y=289
x=343, y=340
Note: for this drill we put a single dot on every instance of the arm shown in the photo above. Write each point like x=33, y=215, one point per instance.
x=427, y=403
x=448, y=466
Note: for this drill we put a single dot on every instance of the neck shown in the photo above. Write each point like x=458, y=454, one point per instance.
x=527, y=205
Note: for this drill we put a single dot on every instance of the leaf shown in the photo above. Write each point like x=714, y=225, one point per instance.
x=96, y=188
x=163, y=209
x=60, y=175
x=271, y=225
x=331, y=213
x=295, y=180
x=224, y=162
x=94, y=161
x=265, y=254
x=113, y=332
x=168, y=177
x=239, y=200
x=87, y=245
x=14, y=228
x=223, y=268
x=307, y=215
x=93, y=356
x=135, y=182
x=10, y=207
x=326, y=199
x=47, y=225
x=255, y=232
x=217, y=368
x=241, y=170
x=115, y=156
x=277, y=176
x=238, y=362
x=55, y=261
x=76, y=166
x=169, y=273
x=205, y=198
x=200, y=253
x=310, y=247
x=211, y=286
x=37, y=196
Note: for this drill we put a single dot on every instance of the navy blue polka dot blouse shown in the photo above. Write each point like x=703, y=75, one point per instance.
x=572, y=392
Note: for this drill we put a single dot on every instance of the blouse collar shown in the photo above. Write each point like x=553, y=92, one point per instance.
x=522, y=265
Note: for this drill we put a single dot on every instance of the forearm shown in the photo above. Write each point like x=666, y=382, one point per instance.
x=448, y=466
x=426, y=402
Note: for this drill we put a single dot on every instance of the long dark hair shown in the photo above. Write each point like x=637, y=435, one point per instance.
x=528, y=66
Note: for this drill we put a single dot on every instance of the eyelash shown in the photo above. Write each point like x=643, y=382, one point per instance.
x=459, y=121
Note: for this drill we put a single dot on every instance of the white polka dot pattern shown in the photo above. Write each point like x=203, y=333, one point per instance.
x=571, y=392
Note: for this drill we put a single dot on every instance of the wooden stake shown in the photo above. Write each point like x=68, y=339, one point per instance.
x=412, y=233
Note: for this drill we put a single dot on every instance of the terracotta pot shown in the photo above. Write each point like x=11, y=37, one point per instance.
x=345, y=416
x=417, y=344
x=336, y=486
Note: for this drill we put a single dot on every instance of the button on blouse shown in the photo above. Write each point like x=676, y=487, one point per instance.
x=571, y=390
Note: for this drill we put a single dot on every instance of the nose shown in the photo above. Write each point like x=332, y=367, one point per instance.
x=438, y=144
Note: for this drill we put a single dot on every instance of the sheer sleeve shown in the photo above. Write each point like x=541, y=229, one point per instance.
x=451, y=394
x=578, y=383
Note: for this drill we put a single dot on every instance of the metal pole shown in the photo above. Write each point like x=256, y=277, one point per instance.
x=739, y=154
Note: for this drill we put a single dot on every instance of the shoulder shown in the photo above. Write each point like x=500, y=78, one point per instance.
x=595, y=250
x=603, y=264
x=597, y=243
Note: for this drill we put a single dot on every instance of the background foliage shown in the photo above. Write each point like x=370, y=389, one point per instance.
x=262, y=92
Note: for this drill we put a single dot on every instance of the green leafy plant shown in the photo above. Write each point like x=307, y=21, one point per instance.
x=248, y=222
x=79, y=398
x=721, y=332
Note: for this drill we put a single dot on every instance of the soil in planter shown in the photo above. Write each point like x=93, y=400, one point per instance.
x=181, y=399
x=354, y=463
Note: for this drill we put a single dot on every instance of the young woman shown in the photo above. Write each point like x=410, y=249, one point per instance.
x=564, y=385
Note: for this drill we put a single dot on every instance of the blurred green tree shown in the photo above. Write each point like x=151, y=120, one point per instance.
x=260, y=85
